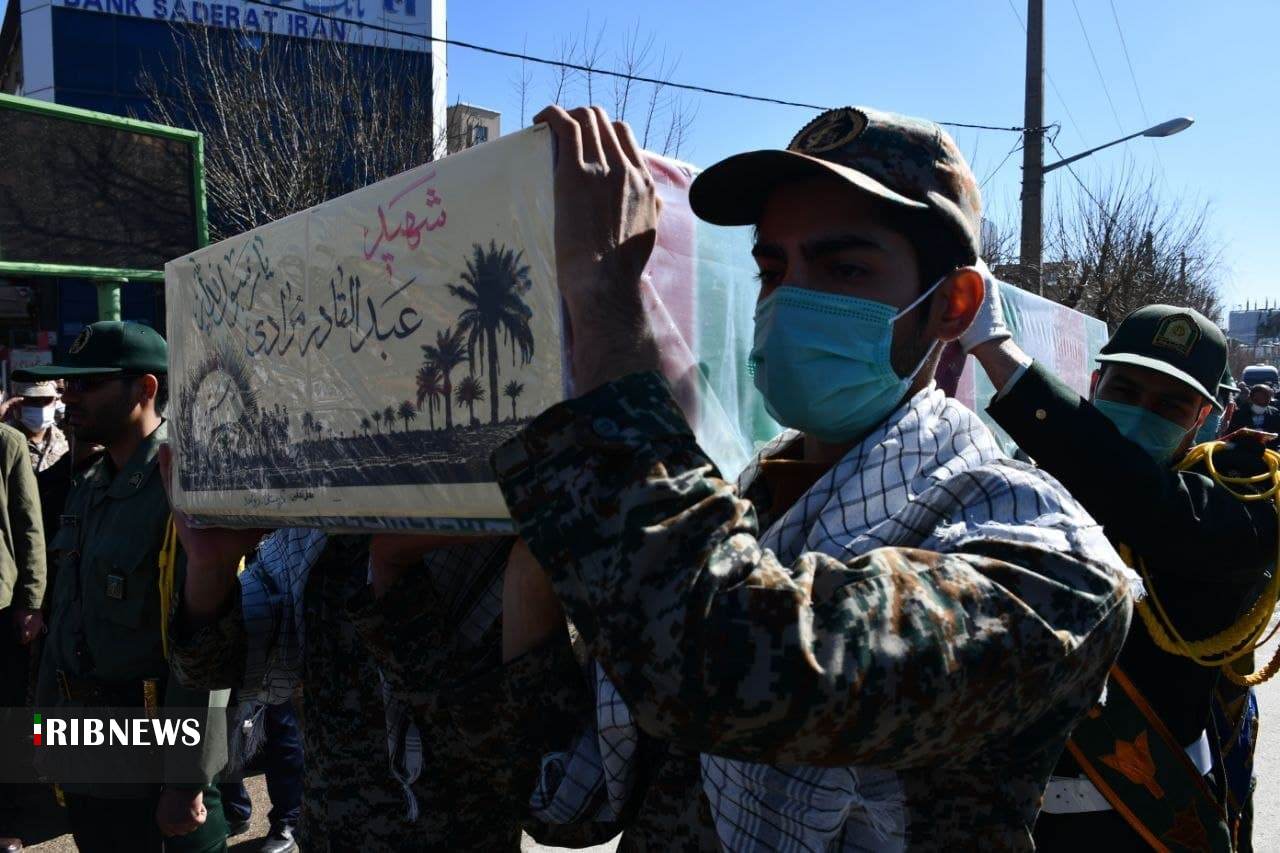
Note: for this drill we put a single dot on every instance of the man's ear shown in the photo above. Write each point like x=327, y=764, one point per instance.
x=150, y=386
x=960, y=298
x=1093, y=382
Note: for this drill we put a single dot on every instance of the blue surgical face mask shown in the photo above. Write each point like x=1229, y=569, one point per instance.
x=1159, y=436
x=1209, y=430
x=821, y=361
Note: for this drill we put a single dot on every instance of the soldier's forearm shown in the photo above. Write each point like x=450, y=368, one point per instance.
x=1001, y=359
x=531, y=613
x=206, y=595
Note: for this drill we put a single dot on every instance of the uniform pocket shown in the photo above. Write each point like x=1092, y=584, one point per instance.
x=126, y=588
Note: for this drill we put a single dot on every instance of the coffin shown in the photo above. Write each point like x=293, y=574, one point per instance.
x=352, y=366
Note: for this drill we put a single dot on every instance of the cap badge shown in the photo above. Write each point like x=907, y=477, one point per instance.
x=1178, y=333
x=829, y=131
x=81, y=340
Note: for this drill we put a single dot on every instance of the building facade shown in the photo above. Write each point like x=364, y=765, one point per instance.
x=94, y=54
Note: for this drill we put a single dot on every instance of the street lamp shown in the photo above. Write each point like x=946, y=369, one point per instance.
x=1033, y=172
x=1165, y=128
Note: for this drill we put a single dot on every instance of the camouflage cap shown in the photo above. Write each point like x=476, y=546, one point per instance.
x=905, y=161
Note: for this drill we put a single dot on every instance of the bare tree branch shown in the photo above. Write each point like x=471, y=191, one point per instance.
x=280, y=137
x=1121, y=246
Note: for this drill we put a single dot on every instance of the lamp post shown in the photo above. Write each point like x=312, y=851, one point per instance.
x=1033, y=174
x=1166, y=128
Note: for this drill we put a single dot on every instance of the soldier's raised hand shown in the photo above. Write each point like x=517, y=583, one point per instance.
x=606, y=226
x=213, y=555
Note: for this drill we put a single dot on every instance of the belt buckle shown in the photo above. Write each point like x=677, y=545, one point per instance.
x=64, y=686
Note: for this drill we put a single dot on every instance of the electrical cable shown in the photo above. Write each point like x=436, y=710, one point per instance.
x=1097, y=67
x=689, y=87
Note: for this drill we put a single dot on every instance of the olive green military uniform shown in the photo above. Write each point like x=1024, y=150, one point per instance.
x=22, y=566
x=106, y=648
x=106, y=636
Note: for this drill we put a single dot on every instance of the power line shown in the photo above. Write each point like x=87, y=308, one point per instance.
x=992, y=173
x=1097, y=67
x=587, y=69
x=1137, y=90
x=1132, y=76
x=1082, y=184
x=1052, y=83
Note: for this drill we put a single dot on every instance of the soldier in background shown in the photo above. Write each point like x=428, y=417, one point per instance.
x=106, y=645
x=37, y=404
x=1204, y=552
x=22, y=593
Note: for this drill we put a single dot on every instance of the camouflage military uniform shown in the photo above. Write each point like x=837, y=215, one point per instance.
x=483, y=725
x=961, y=672
x=45, y=453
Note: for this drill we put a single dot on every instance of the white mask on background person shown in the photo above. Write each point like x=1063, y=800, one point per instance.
x=36, y=418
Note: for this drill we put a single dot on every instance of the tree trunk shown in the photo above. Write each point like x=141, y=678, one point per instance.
x=448, y=402
x=494, y=399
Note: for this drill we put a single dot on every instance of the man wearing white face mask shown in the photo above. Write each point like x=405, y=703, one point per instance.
x=882, y=636
x=36, y=407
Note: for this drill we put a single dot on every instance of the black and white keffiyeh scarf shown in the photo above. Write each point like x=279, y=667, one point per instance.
x=931, y=476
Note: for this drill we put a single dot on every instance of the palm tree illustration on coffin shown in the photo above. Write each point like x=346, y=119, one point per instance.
x=366, y=425
x=447, y=354
x=493, y=288
x=513, y=390
x=407, y=413
x=389, y=416
x=470, y=392
x=430, y=390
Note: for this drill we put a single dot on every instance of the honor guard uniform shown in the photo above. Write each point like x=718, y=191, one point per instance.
x=117, y=568
x=1199, y=524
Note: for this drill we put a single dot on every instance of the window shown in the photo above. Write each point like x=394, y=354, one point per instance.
x=479, y=134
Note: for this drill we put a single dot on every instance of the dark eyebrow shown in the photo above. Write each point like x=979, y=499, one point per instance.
x=830, y=245
x=771, y=251
x=819, y=247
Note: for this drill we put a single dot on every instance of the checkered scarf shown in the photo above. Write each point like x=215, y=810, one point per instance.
x=930, y=462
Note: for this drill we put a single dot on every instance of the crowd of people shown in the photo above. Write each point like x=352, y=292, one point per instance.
x=886, y=635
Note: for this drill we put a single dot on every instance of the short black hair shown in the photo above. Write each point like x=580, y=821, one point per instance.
x=162, y=392
x=939, y=249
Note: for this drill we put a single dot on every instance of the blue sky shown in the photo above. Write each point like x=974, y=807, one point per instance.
x=956, y=61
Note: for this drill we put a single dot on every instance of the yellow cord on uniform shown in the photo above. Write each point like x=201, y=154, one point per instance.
x=168, y=561
x=1244, y=636
x=168, y=569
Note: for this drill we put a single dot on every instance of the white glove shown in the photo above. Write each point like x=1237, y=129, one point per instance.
x=988, y=323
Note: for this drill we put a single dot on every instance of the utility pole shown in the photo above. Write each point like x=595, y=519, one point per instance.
x=1033, y=151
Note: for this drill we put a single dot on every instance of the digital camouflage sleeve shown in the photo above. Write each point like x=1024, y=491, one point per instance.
x=483, y=725
x=904, y=659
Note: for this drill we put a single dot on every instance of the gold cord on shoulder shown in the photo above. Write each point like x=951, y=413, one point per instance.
x=1245, y=636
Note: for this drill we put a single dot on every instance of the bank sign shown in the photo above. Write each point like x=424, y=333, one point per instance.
x=359, y=21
